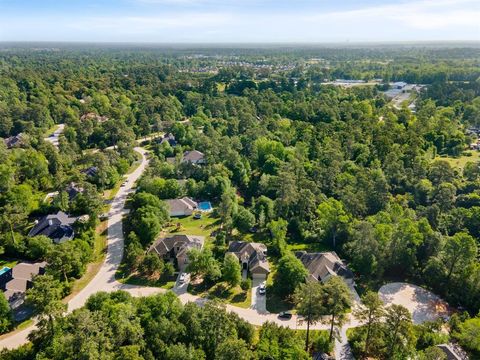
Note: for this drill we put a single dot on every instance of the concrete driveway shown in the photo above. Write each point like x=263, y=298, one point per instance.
x=181, y=287
x=259, y=302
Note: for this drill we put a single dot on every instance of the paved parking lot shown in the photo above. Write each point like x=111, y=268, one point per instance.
x=259, y=302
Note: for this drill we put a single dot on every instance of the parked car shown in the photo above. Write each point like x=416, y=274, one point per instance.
x=262, y=289
x=285, y=315
x=182, y=278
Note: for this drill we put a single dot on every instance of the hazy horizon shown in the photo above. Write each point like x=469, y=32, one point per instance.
x=232, y=22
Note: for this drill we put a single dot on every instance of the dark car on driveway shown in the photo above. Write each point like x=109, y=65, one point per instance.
x=287, y=315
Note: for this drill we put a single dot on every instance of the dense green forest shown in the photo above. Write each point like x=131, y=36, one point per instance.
x=306, y=164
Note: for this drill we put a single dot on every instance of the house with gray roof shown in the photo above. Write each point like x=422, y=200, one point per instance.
x=175, y=248
x=322, y=265
x=15, y=141
x=22, y=275
x=181, y=207
x=73, y=189
x=252, y=257
x=58, y=227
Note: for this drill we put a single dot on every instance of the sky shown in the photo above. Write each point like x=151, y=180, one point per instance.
x=240, y=21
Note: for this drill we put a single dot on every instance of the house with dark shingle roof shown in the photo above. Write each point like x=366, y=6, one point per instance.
x=168, y=138
x=73, y=190
x=252, y=257
x=15, y=141
x=322, y=265
x=57, y=227
x=174, y=248
x=92, y=171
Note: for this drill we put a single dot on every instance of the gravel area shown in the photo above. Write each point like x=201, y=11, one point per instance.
x=422, y=304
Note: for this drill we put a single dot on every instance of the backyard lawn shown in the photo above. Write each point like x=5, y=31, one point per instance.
x=8, y=263
x=222, y=292
x=190, y=226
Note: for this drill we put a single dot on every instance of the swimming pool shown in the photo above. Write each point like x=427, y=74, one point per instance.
x=4, y=270
x=205, y=206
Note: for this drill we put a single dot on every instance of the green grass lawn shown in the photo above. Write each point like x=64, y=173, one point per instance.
x=222, y=292
x=309, y=247
x=8, y=263
x=459, y=162
x=190, y=226
x=99, y=251
x=165, y=282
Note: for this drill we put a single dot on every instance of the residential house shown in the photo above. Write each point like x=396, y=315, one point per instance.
x=57, y=227
x=399, y=85
x=93, y=116
x=181, y=207
x=453, y=351
x=322, y=265
x=15, y=141
x=194, y=157
x=22, y=275
x=92, y=171
x=73, y=189
x=252, y=257
x=174, y=248
x=168, y=138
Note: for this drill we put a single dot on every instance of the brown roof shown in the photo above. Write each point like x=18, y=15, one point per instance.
x=182, y=204
x=323, y=264
x=253, y=253
x=180, y=244
x=17, y=285
x=27, y=271
x=193, y=156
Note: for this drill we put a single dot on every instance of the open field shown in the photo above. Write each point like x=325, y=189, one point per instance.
x=460, y=162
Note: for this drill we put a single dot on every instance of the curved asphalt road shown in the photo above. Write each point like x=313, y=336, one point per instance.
x=105, y=280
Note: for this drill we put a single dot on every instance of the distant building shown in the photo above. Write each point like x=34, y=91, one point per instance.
x=194, y=157
x=322, y=265
x=168, y=138
x=181, y=207
x=73, y=190
x=18, y=140
x=252, y=257
x=92, y=171
x=175, y=248
x=453, y=352
x=93, y=116
x=399, y=85
x=57, y=227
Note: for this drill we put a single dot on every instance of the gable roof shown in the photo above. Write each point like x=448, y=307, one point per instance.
x=73, y=190
x=253, y=253
x=180, y=244
x=91, y=171
x=181, y=205
x=193, y=156
x=13, y=141
x=170, y=138
x=55, y=226
x=323, y=264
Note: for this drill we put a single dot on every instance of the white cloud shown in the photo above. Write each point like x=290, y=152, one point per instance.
x=405, y=20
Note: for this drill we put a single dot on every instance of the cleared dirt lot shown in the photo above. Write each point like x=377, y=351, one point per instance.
x=422, y=304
